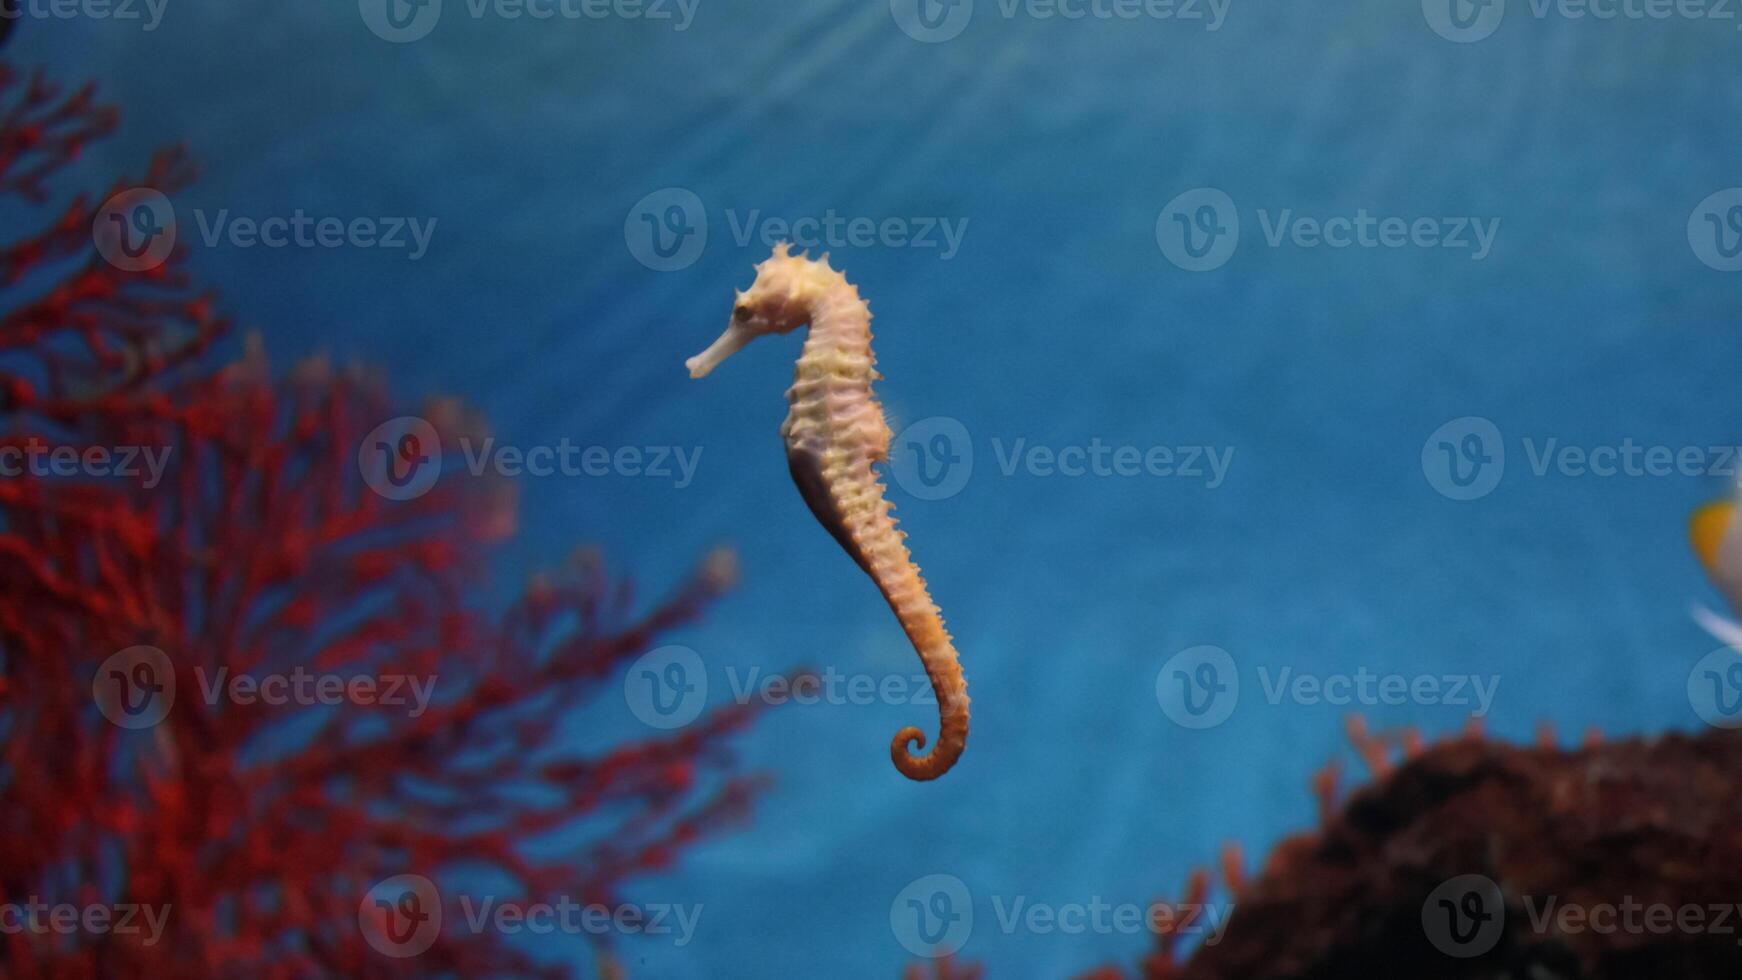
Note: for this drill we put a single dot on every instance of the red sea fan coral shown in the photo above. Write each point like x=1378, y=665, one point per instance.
x=76, y=329
x=148, y=772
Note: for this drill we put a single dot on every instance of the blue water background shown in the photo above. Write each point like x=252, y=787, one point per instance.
x=1059, y=322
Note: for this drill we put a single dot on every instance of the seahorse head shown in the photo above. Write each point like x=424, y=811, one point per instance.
x=780, y=301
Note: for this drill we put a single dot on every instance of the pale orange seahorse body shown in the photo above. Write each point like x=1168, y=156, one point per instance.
x=835, y=434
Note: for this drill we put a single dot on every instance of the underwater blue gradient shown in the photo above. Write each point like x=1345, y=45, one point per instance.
x=1060, y=321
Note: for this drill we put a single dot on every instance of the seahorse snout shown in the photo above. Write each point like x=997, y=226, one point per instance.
x=729, y=343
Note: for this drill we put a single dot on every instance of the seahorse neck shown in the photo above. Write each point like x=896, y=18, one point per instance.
x=831, y=395
x=840, y=323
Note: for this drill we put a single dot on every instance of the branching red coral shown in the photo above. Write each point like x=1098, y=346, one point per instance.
x=255, y=548
x=76, y=329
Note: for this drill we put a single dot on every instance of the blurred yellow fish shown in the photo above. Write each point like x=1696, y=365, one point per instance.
x=1716, y=537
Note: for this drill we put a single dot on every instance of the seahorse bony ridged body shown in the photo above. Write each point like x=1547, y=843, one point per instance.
x=835, y=434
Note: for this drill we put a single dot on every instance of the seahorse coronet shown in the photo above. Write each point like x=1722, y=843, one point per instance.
x=836, y=433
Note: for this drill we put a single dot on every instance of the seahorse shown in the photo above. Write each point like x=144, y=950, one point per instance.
x=835, y=435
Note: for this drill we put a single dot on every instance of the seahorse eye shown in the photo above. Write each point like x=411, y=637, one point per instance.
x=741, y=312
